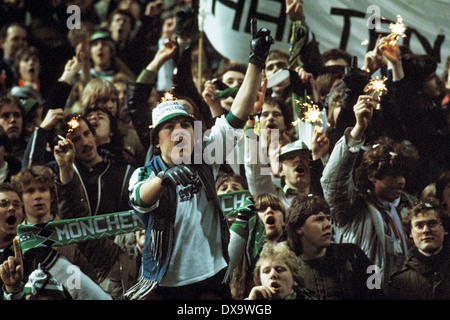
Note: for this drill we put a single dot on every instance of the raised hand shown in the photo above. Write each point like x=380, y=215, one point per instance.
x=260, y=96
x=294, y=10
x=260, y=45
x=165, y=53
x=64, y=153
x=320, y=143
x=363, y=110
x=52, y=117
x=11, y=270
x=209, y=91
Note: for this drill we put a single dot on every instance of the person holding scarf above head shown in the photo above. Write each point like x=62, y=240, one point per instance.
x=176, y=198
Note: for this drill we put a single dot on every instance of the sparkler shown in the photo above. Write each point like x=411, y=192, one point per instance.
x=73, y=124
x=376, y=87
x=168, y=96
x=397, y=30
x=309, y=112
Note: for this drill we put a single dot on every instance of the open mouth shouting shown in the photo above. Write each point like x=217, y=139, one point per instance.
x=275, y=286
x=270, y=221
x=300, y=170
x=11, y=220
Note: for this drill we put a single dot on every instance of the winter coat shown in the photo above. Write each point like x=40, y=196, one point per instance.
x=420, y=280
x=356, y=217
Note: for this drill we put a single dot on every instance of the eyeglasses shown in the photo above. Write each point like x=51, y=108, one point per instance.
x=5, y=203
x=431, y=224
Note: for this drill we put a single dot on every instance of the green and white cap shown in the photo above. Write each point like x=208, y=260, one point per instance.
x=165, y=111
x=291, y=147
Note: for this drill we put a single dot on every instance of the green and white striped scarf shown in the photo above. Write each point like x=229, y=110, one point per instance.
x=64, y=232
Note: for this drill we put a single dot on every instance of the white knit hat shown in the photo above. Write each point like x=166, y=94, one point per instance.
x=166, y=111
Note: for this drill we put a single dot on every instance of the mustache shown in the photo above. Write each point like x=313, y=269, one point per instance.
x=87, y=148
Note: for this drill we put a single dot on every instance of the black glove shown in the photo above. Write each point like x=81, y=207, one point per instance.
x=181, y=174
x=260, y=45
x=186, y=24
x=247, y=209
x=355, y=78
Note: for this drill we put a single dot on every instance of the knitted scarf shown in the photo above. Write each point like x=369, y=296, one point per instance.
x=64, y=232
x=160, y=232
x=158, y=240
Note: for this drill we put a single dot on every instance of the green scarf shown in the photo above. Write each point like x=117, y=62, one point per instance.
x=63, y=232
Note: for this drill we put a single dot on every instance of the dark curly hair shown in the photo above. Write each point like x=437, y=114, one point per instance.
x=385, y=157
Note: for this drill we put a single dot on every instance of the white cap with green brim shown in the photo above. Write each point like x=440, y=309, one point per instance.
x=166, y=111
x=291, y=147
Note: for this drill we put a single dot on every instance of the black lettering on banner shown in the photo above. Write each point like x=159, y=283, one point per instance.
x=346, y=13
x=434, y=51
x=237, y=6
x=279, y=20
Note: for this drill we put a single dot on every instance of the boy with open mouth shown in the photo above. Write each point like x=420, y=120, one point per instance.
x=176, y=196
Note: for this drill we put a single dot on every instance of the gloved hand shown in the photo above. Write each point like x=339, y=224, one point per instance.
x=260, y=45
x=355, y=78
x=245, y=211
x=186, y=24
x=181, y=174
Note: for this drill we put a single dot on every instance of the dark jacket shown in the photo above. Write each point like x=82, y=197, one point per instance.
x=115, y=262
x=343, y=272
x=105, y=187
x=423, y=278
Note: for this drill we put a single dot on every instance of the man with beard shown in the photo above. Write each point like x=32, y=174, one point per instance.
x=11, y=215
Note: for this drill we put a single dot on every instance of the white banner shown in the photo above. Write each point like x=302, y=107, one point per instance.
x=341, y=24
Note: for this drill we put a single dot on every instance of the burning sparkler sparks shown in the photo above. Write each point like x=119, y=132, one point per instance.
x=376, y=87
x=168, y=96
x=73, y=124
x=398, y=29
x=310, y=112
